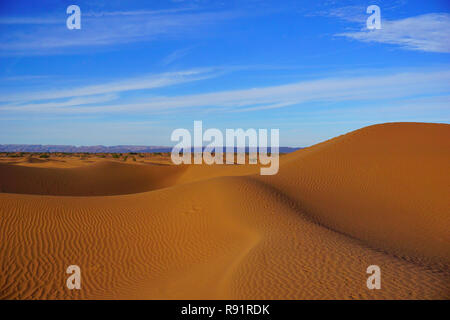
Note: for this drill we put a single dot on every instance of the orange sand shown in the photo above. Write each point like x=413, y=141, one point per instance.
x=147, y=230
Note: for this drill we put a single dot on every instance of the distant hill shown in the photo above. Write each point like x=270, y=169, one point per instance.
x=99, y=149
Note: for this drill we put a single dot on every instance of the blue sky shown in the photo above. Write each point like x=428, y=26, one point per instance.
x=137, y=70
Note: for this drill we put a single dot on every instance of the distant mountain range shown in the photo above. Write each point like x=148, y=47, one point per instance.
x=99, y=149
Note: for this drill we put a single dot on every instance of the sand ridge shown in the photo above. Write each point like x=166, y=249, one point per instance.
x=93, y=179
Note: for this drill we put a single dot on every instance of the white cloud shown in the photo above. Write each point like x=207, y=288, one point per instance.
x=328, y=89
x=348, y=13
x=356, y=88
x=23, y=20
x=77, y=101
x=175, y=55
x=42, y=35
x=137, y=83
x=428, y=32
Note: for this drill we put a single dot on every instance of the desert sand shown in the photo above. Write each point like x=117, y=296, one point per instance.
x=144, y=229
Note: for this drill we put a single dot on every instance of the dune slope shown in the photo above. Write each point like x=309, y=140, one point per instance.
x=387, y=185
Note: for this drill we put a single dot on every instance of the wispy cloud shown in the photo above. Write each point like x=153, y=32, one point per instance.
x=25, y=78
x=428, y=32
x=24, y=20
x=137, y=12
x=137, y=83
x=77, y=101
x=175, y=55
x=30, y=20
x=357, y=12
x=352, y=13
x=328, y=90
x=43, y=35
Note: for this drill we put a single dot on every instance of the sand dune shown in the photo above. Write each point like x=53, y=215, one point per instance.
x=99, y=178
x=378, y=195
x=386, y=184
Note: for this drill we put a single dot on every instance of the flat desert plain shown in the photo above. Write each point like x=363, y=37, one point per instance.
x=141, y=228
